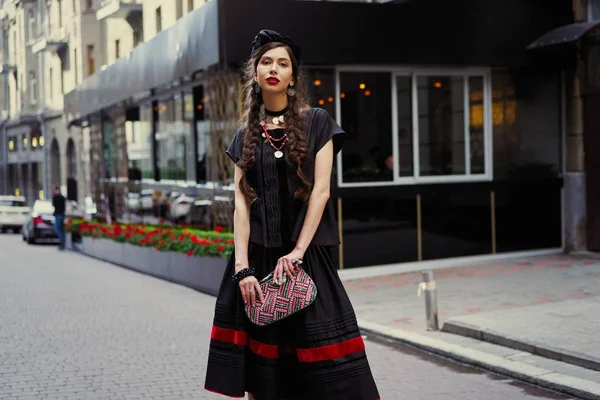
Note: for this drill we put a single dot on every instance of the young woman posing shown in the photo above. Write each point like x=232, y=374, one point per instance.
x=283, y=156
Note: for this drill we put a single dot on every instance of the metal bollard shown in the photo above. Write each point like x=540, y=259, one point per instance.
x=428, y=286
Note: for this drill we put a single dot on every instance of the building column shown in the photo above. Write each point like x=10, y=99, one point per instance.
x=575, y=205
x=574, y=178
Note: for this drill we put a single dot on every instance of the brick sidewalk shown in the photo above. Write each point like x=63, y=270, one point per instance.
x=512, y=284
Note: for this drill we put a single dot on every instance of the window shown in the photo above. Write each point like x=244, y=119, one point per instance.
x=90, y=59
x=117, y=49
x=74, y=65
x=74, y=7
x=190, y=5
x=25, y=142
x=60, y=19
x=594, y=10
x=178, y=9
x=12, y=144
x=89, y=4
x=51, y=84
x=526, y=120
x=62, y=76
x=412, y=126
x=33, y=87
x=158, y=19
x=137, y=37
x=30, y=24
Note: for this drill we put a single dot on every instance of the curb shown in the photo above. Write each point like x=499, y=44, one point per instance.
x=530, y=346
x=538, y=376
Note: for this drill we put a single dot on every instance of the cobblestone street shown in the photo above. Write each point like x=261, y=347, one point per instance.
x=72, y=327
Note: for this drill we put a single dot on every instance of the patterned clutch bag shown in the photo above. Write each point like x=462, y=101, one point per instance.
x=282, y=300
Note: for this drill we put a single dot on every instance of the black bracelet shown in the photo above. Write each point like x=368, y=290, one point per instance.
x=243, y=273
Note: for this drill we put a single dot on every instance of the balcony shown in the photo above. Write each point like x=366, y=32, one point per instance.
x=6, y=65
x=53, y=40
x=125, y=9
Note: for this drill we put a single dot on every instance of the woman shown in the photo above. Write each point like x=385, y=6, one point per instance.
x=284, y=156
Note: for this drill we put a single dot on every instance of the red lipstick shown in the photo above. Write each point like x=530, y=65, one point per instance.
x=272, y=81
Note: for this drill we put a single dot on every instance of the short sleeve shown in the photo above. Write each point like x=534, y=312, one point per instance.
x=328, y=129
x=234, y=151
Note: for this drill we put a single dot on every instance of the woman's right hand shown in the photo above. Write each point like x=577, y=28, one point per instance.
x=250, y=290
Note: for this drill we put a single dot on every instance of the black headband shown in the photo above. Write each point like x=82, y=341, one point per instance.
x=266, y=36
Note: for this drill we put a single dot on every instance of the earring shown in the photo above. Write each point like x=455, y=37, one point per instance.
x=291, y=91
x=257, y=88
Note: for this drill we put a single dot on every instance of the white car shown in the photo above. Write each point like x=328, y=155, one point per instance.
x=13, y=213
x=180, y=205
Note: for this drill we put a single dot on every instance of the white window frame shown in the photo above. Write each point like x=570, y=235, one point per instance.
x=414, y=72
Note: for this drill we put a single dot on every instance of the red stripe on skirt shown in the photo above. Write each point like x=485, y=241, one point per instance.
x=332, y=351
x=229, y=336
x=264, y=350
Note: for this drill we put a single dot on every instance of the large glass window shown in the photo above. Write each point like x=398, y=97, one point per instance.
x=526, y=120
x=188, y=136
x=139, y=143
x=109, y=149
x=175, y=141
x=594, y=10
x=409, y=126
x=441, y=125
x=367, y=119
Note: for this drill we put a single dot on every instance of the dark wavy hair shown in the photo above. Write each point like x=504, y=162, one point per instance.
x=295, y=122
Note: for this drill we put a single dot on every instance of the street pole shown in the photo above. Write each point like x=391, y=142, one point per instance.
x=428, y=286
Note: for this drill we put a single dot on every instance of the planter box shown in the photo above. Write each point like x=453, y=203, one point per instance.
x=201, y=273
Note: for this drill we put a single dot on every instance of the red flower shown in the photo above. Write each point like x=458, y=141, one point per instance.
x=221, y=248
x=219, y=229
x=181, y=238
x=190, y=253
x=216, y=240
x=230, y=241
x=162, y=243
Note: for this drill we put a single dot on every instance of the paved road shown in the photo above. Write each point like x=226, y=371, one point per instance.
x=76, y=328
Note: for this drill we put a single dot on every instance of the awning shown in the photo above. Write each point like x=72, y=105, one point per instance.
x=191, y=45
x=564, y=34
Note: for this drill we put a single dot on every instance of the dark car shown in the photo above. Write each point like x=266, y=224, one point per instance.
x=39, y=226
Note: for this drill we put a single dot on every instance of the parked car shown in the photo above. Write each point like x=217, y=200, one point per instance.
x=13, y=213
x=39, y=226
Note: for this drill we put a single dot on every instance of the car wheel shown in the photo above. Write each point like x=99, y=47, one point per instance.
x=3, y=230
x=30, y=240
x=16, y=230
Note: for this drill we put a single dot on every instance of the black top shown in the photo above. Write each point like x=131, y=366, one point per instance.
x=58, y=202
x=275, y=216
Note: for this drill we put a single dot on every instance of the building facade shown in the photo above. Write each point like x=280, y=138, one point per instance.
x=49, y=49
x=466, y=129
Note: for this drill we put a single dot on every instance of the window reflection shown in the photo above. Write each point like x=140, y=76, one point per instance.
x=367, y=119
x=476, y=125
x=441, y=125
x=139, y=144
x=171, y=140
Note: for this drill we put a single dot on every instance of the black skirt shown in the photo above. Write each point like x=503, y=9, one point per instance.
x=316, y=354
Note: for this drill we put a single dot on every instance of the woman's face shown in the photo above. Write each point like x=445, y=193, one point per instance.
x=274, y=71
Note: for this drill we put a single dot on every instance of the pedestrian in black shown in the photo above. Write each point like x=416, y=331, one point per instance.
x=59, y=204
x=283, y=157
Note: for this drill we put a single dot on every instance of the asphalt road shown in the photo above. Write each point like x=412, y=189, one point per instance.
x=76, y=328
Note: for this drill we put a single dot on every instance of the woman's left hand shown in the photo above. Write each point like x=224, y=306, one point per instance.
x=285, y=264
